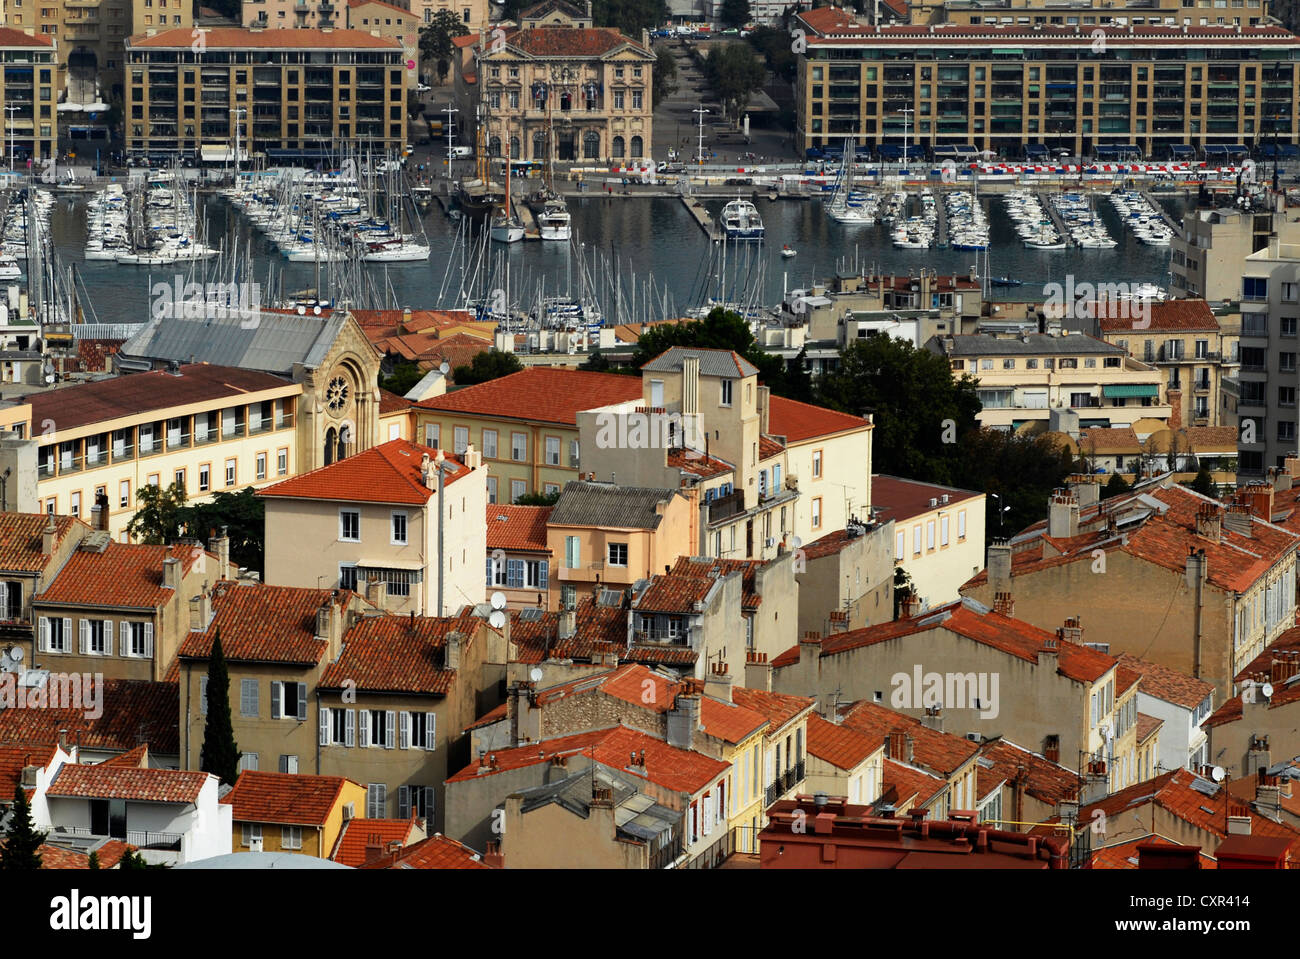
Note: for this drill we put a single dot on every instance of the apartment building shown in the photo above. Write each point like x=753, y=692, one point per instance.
x=29, y=82
x=285, y=90
x=847, y=578
x=1210, y=250
x=299, y=14
x=1180, y=703
x=844, y=762
x=301, y=814
x=1036, y=376
x=399, y=515
x=1085, y=12
x=1266, y=387
x=1001, y=86
x=208, y=428
x=560, y=89
x=525, y=424
x=938, y=534
x=519, y=559
x=360, y=14
x=33, y=548
x=1192, y=346
x=1018, y=786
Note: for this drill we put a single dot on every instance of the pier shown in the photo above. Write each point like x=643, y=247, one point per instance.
x=1055, y=217
x=940, y=222
x=701, y=216
x=527, y=217
x=1164, y=215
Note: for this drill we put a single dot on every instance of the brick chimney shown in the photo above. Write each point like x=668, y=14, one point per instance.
x=1292, y=467
x=1259, y=498
x=1175, y=396
x=1209, y=522
x=1072, y=631
x=718, y=682
x=999, y=566
x=758, y=671
x=377, y=592
x=171, y=571
x=683, y=721
x=1004, y=604
x=48, y=536
x=455, y=642
x=201, y=610
x=1063, y=514
x=898, y=746
x=567, y=624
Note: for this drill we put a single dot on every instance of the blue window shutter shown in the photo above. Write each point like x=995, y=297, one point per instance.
x=489, y=570
x=515, y=573
x=543, y=573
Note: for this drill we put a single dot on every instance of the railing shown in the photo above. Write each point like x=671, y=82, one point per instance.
x=681, y=638
x=177, y=441
x=716, y=853
x=733, y=504
x=153, y=840
x=666, y=856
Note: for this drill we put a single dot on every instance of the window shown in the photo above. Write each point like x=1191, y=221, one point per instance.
x=726, y=393
x=929, y=534
x=251, y=831
x=338, y=727
x=96, y=637
x=382, y=731
x=74, y=501
x=459, y=439
x=492, y=489
x=289, y=701
x=399, y=529
x=900, y=545
x=349, y=526
x=432, y=433
x=261, y=466
x=817, y=464
x=490, y=443
x=517, y=489
x=230, y=472
x=552, y=451
x=916, y=540
x=282, y=462
x=124, y=493
x=376, y=801
x=289, y=764
x=1286, y=362
x=1254, y=288
x=205, y=478
x=1008, y=364
x=248, y=697
x=961, y=525
x=817, y=512
x=618, y=554
x=519, y=447
x=248, y=761
x=348, y=576
x=137, y=639
x=943, y=530
x=291, y=836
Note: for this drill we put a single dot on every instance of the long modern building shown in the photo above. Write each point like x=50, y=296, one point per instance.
x=28, y=84
x=289, y=91
x=1162, y=87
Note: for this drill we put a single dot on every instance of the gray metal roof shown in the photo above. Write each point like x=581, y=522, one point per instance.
x=271, y=342
x=1032, y=344
x=712, y=362
x=584, y=503
x=262, y=860
x=635, y=813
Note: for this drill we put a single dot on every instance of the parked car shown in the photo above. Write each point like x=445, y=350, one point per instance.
x=460, y=152
x=422, y=88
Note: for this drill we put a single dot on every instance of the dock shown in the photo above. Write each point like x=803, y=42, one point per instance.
x=1055, y=217
x=1164, y=215
x=701, y=216
x=527, y=217
x=940, y=222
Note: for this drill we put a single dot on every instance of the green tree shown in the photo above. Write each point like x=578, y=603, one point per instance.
x=665, y=75
x=436, y=40
x=404, y=376
x=538, y=499
x=921, y=411
x=488, y=365
x=776, y=49
x=1115, y=486
x=92, y=861
x=242, y=514
x=157, y=520
x=1021, y=470
x=22, y=844
x=629, y=16
x=734, y=13
x=1204, y=483
x=797, y=383
x=220, y=753
x=734, y=73
x=903, y=589
x=133, y=860
x=720, y=330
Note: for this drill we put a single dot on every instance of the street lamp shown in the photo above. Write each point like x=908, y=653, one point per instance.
x=10, y=123
x=239, y=113
x=906, y=112
x=1002, y=510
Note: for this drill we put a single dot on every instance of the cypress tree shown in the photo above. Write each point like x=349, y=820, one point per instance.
x=22, y=843
x=92, y=861
x=220, y=754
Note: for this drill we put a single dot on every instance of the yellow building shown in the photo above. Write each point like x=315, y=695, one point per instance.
x=279, y=812
x=29, y=82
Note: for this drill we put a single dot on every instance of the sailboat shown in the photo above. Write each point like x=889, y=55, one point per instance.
x=506, y=225
x=846, y=206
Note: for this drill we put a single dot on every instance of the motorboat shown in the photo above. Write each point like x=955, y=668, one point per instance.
x=787, y=252
x=740, y=221
x=555, y=222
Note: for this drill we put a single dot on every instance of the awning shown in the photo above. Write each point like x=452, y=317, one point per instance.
x=1120, y=391
x=1008, y=52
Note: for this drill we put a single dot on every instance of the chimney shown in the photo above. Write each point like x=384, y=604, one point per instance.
x=999, y=566
x=171, y=573
x=377, y=592
x=909, y=606
x=1051, y=645
x=1175, y=396
x=1237, y=519
x=47, y=537
x=1293, y=466
x=933, y=718
x=898, y=746
x=472, y=457
x=201, y=610
x=1209, y=522
x=1281, y=479
x=683, y=720
x=492, y=854
x=1087, y=491
x=406, y=320
x=100, y=512
x=1072, y=631
x=758, y=671
x=764, y=408
x=222, y=545
x=1239, y=825
x=1258, y=756
x=1063, y=514
x=838, y=622
x=718, y=682
x=63, y=740
x=1004, y=604
x=567, y=624
x=455, y=639
x=1259, y=498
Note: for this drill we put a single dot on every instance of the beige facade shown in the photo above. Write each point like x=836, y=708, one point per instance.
x=846, y=580
x=552, y=836
x=285, y=89
x=288, y=834
x=1086, y=12
x=1266, y=393
x=939, y=535
x=29, y=82
x=300, y=14
x=1207, y=257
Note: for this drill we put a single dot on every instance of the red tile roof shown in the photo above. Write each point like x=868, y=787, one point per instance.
x=1168, y=684
x=235, y=38
x=109, y=854
x=515, y=528
x=388, y=473
x=941, y=752
x=1233, y=709
x=489, y=718
x=436, y=852
x=21, y=536
x=93, y=354
x=266, y=624
x=1146, y=725
x=779, y=708
x=696, y=463
x=802, y=421
x=548, y=42
x=597, y=629
x=904, y=784
x=134, y=712
x=768, y=447
x=830, y=544
x=1284, y=650
x=841, y=746
x=364, y=839
x=901, y=499
x=134, y=783
x=695, y=566
x=124, y=575
x=131, y=759
x=1173, y=315
x=674, y=593
x=82, y=404
x=399, y=654
x=1124, y=855
x=1045, y=780
x=17, y=38
x=284, y=797
x=14, y=756
x=680, y=770
x=540, y=394
x=390, y=402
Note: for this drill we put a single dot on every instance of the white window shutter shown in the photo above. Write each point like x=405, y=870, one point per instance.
x=108, y=637
x=404, y=731
x=403, y=800
x=43, y=637
x=84, y=625
x=124, y=640
x=364, y=740
x=430, y=731
x=4, y=600
x=302, y=702
x=428, y=807
x=324, y=726
x=390, y=729
x=67, y=633
x=350, y=728
x=148, y=639
x=275, y=700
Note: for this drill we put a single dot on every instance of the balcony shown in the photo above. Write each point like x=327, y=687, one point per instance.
x=154, y=840
x=153, y=448
x=667, y=855
x=178, y=441
x=725, y=507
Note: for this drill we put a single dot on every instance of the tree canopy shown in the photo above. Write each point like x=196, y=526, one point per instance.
x=735, y=73
x=720, y=330
x=435, y=40
x=664, y=82
x=488, y=365
x=220, y=753
x=163, y=517
x=629, y=16
x=22, y=840
x=734, y=13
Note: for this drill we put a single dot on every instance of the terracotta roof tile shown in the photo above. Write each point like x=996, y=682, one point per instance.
x=830, y=544
x=1283, y=650
x=597, y=629
x=94, y=354
x=1146, y=725
x=674, y=593
x=1168, y=684
x=540, y=394
x=901, y=499
x=667, y=655
x=768, y=447
x=14, y=756
x=779, y=708
x=268, y=624
x=803, y=421
x=696, y=463
x=1233, y=710
x=124, y=575
x=695, y=566
x=118, y=782
x=907, y=784
x=390, y=402
x=137, y=758
x=1045, y=780
x=134, y=712
x=517, y=527
x=489, y=718
x=284, y=797
x=21, y=536
x=388, y=473
x=109, y=853
x=17, y=38
x=234, y=38
x=364, y=839
x=569, y=42
x=404, y=654
x=841, y=746
x=1124, y=855
x=436, y=852
x=941, y=752
x=1173, y=315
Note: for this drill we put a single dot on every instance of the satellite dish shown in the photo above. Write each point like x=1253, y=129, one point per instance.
x=498, y=600
x=444, y=367
x=497, y=620
x=1267, y=690
x=316, y=310
x=1218, y=773
x=302, y=310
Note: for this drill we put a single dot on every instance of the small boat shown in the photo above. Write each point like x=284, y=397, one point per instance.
x=787, y=252
x=507, y=229
x=9, y=268
x=554, y=222
x=740, y=221
x=423, y=197
x=1005, y=281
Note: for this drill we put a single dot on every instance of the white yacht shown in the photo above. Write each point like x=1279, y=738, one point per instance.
x=740, y=221
x=554, y=222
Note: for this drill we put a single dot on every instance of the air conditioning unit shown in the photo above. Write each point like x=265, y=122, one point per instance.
x=349, y=811
x=973, y=737
x=255, y=845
